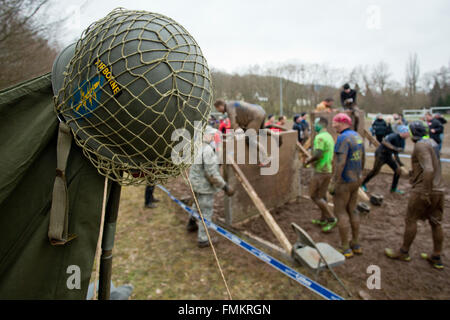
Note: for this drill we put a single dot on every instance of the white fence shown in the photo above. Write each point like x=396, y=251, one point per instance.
x=418, y=113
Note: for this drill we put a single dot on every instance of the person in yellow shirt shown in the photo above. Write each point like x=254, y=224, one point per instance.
x=325, y=106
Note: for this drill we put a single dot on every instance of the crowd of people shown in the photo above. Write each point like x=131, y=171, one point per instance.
x=338, y=168
x=343, y=175
x=382, y=127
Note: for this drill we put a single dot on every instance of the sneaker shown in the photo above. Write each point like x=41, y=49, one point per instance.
x=364, y=188
x=436, y=262
x=204, y=244
x=329, y=226
x=151, y=206
x=321, y=223
x=356, y=249
x=348, y=253
x=156, y=200
x=397, y=191
x=398, y=255
x=191, y=225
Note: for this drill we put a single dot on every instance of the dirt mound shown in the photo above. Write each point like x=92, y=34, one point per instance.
x=382, y=228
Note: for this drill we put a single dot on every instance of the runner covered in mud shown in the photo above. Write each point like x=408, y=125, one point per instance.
x=387, y=153
x=427, y=196
x=322, y=159
x=348, y=166
x=246, y=116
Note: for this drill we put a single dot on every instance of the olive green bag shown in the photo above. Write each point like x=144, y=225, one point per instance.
x=30, y=266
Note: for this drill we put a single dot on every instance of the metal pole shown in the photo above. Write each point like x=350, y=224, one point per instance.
x=281, y=96
x=109, y=230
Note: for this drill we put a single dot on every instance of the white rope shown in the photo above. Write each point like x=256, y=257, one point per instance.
x=209, y=238
x=99, y=241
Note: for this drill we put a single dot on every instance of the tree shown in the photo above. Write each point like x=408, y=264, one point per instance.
x=25, y=51
x=412, y=74
x=380, y=76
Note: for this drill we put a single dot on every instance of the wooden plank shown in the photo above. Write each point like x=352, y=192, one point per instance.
x=369, y=137
x=277, y=127
x=279, y=234
x=265, y=243
x=303, y=150
x=268, y=246
x=307, y=144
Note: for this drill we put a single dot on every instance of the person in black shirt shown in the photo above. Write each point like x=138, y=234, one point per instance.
x=436, y=128
x=442, y=120
x=297, y=126
x=389, y=147
x=302, y=127
x=348, y=97
x=348, y=102
x=379, y=127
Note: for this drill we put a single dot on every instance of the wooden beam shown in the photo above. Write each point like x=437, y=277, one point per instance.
x=268, y=246
x=369, y=137
x=279, y=234
x=303, y=150
x=276, y=126
x=307, y=144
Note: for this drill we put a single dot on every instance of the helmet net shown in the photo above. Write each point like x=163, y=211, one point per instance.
x=135, y=78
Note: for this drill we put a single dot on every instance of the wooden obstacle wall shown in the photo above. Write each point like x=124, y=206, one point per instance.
x=274, y=190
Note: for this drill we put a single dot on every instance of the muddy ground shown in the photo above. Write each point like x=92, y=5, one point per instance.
x=382, y=228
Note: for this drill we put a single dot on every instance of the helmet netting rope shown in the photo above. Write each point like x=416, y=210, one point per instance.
x=164, y=84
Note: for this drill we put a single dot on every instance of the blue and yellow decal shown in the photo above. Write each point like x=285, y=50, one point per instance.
x=86, y=98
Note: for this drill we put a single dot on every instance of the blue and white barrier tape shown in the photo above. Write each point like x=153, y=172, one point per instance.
x=407, y=156
x=291, y=273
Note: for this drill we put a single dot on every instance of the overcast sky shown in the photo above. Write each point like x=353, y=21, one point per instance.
x=234, y=34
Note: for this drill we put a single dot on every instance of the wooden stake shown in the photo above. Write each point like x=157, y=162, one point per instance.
x=279, y=234
x=369, y=137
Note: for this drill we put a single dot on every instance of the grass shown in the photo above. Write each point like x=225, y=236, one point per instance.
x=154, y=252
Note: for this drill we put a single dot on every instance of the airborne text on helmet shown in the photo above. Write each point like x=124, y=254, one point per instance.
x=106, y=72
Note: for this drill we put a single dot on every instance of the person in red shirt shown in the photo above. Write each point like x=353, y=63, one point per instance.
x=225, y=125
x=270, y=121
x=281, y=122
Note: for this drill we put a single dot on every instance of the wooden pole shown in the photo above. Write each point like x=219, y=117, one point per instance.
x=369, y=137
x=307, y=144
x=274, y=125
x=279, y=234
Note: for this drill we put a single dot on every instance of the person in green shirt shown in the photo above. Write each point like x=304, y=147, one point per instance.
x=322, y=160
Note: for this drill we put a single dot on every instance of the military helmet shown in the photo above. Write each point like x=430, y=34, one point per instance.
x=418, y=130
x=132, y=79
